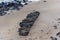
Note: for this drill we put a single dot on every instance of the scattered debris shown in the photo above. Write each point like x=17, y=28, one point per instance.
x=27, y=23
x=25, y=3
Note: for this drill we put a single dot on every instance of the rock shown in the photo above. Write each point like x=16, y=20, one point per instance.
x=53, y=38
x=24, y=31
x=27, y=23
x=25, y=3
x=2, y=13
x=55, y=26
x=58, y=34
x=58, y=18
x=45, y=1
x=14, y=5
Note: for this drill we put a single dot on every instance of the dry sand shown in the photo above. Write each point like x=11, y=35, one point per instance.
x=43, y=27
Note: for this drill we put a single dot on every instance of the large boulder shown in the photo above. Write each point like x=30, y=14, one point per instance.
x=27, y=23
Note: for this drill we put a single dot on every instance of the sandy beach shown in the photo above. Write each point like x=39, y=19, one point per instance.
x=43, y=27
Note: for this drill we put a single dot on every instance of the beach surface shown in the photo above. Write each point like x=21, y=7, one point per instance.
x=43, y=27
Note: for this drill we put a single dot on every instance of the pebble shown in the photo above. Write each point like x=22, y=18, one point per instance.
x=55, y=26
x=58, y=34
x=44, y=1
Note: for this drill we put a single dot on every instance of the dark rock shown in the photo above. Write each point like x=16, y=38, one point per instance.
x=53, y=38
x=2, y=13
x=45, y=1
x=58, y=34
x=14, y=5
x=24, y=0
x=19, y=3
x=55, y=26
x=27, y=23
x=25, y=3
x=58, y=18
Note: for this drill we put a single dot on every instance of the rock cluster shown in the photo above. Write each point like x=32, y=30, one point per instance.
x=14, y=5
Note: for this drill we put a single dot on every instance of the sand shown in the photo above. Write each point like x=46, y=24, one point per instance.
x=43, y=27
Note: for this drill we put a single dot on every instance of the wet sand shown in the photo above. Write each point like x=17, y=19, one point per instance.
x=42, y=28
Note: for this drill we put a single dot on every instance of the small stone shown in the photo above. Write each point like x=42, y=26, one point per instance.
x=55, y=26
x=45, y=1
x=58, y=34
x=41, y=30
x=58, y=18
x=53, y=38
x=47, y=33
